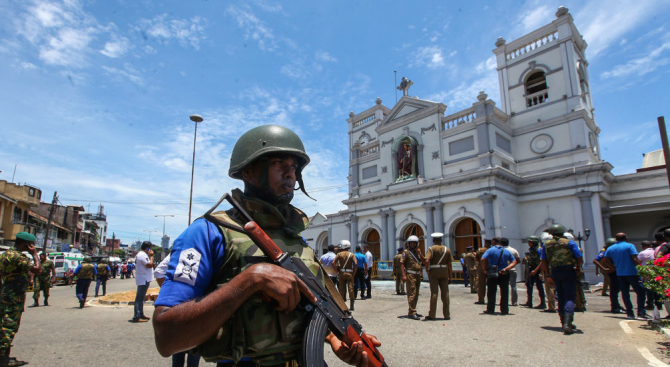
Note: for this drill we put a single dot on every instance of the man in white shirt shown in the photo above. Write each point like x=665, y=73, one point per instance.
x=144, y=262
x=327, y=262
x=512, y=272
x=370, y=261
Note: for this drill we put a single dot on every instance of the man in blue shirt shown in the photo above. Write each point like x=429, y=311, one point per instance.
x=564, y=258
x=623, y=257
x=611, y=275
x=504, y=260
x=210, y=283
x=361, y=273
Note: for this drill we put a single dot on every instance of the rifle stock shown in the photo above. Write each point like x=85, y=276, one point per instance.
x=326, y=313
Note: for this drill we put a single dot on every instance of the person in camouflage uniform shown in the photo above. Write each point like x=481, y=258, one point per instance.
x=221, y=295
x=103, y=274
x=84, y=273
x=14, y=271
x=43, y=281
x=533, y=277
x=564, y=258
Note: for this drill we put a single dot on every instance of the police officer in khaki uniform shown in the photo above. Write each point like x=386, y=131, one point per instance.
x=345, y=264
x=411, y=274
x=481, y=274
x=397, y=263
x=470, y=259
x=438, y=262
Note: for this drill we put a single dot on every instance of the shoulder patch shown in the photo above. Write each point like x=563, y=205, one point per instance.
x=187, y=267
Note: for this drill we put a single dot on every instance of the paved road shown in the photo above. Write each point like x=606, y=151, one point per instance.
x=64, y=335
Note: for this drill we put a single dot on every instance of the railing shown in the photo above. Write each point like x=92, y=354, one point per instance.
x=537, y=98
x=459, y=118
x=500, y=115
x=364, y=121
x=371, y=150
x=548, y=38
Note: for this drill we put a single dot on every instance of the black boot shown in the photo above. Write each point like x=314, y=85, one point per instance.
x=81, y=303
x=46, y=301
x=528, y=304
x=541, y=306
x=351, y=305
x=565, y=321
x=36, y=303
x=4, y=357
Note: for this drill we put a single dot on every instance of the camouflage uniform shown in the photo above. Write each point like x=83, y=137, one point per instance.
x=481, y=276
x=471, y=262
x=42, y=282
x=257, y=330
x=14, y=270
x=399, y=284
x=412, y=260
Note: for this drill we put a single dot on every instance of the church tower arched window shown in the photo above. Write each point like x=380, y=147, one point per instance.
x=537, y=91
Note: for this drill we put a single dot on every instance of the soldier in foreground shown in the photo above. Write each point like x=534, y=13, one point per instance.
x=564, y=258
x=14, y=270
x=411, y=274
x=438, y=262
x=42, y=282
x=220, y=286
x=84, y=273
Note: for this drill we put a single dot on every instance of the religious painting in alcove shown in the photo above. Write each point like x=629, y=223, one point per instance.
x=406, y=160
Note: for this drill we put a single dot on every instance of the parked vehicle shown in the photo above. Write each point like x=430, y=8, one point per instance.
x=65, y=263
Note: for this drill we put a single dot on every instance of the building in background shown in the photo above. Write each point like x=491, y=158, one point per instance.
x=16, y=202
x=112, y=244
x=511, y=170
x=94, y=233
x=165, y=242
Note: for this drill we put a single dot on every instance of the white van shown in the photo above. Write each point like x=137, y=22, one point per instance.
x=65, y=263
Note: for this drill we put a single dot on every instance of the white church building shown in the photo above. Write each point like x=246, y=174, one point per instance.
x=510, y=170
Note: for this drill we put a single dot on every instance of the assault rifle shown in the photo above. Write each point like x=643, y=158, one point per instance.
x=326, y=314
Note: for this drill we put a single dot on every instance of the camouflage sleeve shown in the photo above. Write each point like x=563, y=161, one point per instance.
x=23, y=263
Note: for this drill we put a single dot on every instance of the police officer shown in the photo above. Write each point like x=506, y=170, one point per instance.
x=217, y=279
x=438, y=264
x=470, y=259
x=103, y=274
x=481, y=273
x=564, y=258
x=533, y=277
x=399, y=283
x=42, y=282
x=346, y=266
x=411, y=274
x=14, y=270
x=84, y=274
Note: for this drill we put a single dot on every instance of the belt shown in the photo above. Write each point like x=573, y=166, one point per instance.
x=412, y=272
x=346, y=271
x=438, y=266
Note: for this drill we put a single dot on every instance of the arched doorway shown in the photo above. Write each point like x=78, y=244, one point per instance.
x=467, y=233
x=322, y=243
x=372, y=239
x=416, y=230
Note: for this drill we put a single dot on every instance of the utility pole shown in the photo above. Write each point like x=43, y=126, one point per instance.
x=51, y=214
x=166, y=215
x=150, y=233
x=664, y=142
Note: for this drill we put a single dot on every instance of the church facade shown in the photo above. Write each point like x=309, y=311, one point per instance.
x=510, y=170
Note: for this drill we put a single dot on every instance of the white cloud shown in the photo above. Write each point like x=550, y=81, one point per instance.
x=484, y=78
x=128, y=72
x=325, y=56
x=272, y=8
x=116, y=48
x=605, y=23
x=254, y=28
x=430, y=57
x=641, y=65
x=535, y=17
x=28, y=65
x=164, y=28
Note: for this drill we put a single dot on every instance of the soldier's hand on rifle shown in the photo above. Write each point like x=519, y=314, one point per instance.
x=280, y=285
x=353, y=355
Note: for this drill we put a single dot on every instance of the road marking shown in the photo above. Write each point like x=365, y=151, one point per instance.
x=625, y=327
x=653, y=361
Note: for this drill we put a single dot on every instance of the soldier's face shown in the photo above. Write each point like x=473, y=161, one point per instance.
x=281, y=174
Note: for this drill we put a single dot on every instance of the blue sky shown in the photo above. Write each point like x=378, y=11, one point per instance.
x=96, y=95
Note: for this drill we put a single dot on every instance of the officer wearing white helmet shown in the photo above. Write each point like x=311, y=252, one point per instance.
x=345, y=264
x=411, y=274
x=438, y=262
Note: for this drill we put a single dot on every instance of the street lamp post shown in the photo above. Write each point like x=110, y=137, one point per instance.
x=150, y=233
x=580, y=238
x=166, y=215
x=196, y=119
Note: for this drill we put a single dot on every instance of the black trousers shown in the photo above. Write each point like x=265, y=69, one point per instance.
x=614, y=291
x=359, y=281
x=534, y=280
x=368, y=283
x=492, y=285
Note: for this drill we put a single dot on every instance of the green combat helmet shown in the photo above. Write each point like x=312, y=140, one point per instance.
x=533, y=239
x=264, y=140
x=557, y=230
x=104, y=260
x=87, y=259
x=609, y=242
